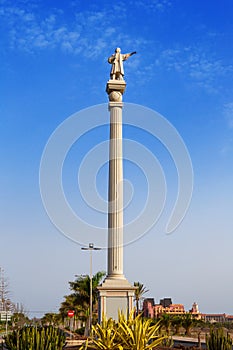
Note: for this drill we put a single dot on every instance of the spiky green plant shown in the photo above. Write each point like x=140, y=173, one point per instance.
x=105, y=336
x=139, y=334
x=32, y=338
x=128, y=333
x=218, y=340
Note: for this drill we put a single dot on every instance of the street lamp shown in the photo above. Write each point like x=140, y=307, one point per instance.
x=90, y=248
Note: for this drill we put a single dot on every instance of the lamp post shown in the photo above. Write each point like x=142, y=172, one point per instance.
x=91, y=247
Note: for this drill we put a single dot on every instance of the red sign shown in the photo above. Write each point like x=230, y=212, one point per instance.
x=70, y=313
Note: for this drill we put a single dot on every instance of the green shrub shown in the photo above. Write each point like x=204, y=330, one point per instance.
x=32, y=338
x=218, y=340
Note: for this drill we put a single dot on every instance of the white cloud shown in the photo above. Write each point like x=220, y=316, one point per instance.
x=152, y=5
x=88, y=34
x=193, y=62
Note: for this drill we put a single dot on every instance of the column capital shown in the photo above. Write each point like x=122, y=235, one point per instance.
x=115, y=85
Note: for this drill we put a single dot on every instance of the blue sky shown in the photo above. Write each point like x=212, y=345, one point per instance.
x=53, y=64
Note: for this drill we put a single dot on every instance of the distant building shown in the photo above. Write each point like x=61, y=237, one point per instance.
x=165, y=306
x=166, y=302
x=194, y=309
x=148, y=307
x=152, y=310
x=174, y=309
x=229, y=318
x=212, y=318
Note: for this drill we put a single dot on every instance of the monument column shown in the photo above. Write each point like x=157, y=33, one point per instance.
x=115, y=191
x=115, y=293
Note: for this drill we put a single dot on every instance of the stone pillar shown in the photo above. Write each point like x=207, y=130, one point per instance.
x=115, y=294
x=115, y=193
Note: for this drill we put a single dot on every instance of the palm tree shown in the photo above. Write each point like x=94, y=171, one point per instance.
x=81, y=288
x=188, y=322
x=79, y=300
x=71, y=302
x=51, y=319
x=139, y=292
x=165, y=321
x=177, y=323
x=19, y=319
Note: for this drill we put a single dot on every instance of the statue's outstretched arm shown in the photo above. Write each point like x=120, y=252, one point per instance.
x=127, y=55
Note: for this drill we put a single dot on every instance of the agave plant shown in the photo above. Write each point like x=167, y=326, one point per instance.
x=139, y=334
x=128, y=333
x=105, y=336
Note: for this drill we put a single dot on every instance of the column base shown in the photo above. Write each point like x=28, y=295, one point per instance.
x=115, y=295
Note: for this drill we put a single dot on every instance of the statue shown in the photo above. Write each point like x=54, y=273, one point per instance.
x=116, y=60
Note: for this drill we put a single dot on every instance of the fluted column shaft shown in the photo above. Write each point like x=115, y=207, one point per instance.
x=115, y=193
x=115, y=293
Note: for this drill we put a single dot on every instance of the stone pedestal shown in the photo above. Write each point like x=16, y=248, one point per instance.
x=115, y=293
